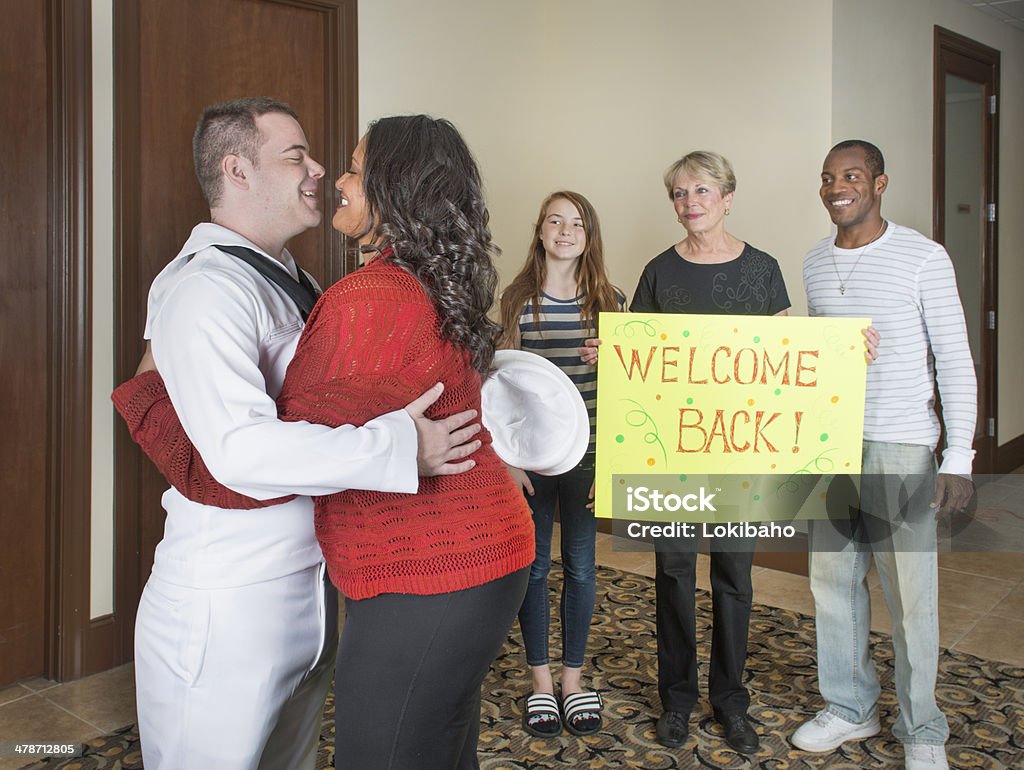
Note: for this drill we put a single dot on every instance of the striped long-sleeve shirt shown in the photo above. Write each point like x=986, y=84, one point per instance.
x=556, y=335
x=905, y=283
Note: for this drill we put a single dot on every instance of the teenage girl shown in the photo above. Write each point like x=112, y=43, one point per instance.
x=551, y=309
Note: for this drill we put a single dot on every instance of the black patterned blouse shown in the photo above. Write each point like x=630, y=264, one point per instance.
x=751, y=284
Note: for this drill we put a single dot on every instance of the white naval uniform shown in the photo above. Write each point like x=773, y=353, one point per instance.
x=234, y=640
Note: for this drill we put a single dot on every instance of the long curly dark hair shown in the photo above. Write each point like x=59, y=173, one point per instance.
x=425, y=198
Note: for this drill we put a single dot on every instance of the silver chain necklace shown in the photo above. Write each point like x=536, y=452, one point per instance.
x=863, y=250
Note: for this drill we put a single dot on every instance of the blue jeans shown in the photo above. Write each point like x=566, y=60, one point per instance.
x=897, y=485
x=579, y=530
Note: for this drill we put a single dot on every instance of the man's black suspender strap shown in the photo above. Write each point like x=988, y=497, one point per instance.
x=301, y=292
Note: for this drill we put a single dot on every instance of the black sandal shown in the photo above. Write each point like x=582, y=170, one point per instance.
x=581, y=712
x=541, y=716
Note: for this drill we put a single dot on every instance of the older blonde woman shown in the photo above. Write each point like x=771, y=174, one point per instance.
x=708, y=271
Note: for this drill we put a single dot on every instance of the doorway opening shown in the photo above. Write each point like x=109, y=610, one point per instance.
x=965, y=204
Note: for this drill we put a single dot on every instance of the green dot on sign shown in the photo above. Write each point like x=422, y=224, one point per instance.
x=682, y=477
x=686, y=333
x=823, y=437
x=778, y=391
x=689, y=400
x=620, y=438
x=757, y=339
x=757, y=497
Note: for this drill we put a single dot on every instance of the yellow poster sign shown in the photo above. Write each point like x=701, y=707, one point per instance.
x=700, y=394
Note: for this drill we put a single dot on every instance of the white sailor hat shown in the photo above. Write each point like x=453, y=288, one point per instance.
x=536, y=416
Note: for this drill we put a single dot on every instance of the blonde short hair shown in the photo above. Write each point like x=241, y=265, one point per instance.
x=704, y=165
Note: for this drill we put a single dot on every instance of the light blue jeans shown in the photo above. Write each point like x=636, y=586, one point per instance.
x=894, y=523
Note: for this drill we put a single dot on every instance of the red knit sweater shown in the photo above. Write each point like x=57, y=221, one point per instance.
x=371, y=346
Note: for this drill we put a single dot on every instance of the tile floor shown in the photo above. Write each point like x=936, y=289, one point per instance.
x=981, y=612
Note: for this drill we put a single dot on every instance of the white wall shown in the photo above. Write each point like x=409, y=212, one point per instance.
x=101, y=585
x=882, y=86
x=601, y=96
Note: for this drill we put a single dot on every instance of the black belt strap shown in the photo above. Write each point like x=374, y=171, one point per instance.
x=302, y=292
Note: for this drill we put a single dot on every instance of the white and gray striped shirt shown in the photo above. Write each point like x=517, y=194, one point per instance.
x=905, y=283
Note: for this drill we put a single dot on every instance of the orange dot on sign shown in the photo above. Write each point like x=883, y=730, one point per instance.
x=746, y=485
x=773, y=466
x=847, y=465
x=785, y=340
x=664, y=336
x=622, y=481
x=650, y=461
x=658, y=397
x=853, y=347
x=796, y=449
x=835, y=399
x=750, y=402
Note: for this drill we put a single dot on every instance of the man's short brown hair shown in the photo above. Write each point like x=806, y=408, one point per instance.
x=229, y=128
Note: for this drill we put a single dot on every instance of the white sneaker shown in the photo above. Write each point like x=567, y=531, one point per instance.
x=827, y=732
x=925, y=756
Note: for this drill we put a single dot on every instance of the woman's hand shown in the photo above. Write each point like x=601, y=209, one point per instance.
x=522, y=480
x=588, y=352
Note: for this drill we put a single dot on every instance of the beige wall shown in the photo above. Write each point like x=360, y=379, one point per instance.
x=601, y=96
x=882, y=42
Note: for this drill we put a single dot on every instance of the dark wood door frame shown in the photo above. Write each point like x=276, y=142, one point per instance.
x=958, y=55
x=76, y=644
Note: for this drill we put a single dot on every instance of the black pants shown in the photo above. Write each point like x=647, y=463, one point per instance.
x=408, y=676
x=731, y=594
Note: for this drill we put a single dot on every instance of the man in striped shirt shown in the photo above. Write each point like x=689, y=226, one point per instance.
x=905, y=283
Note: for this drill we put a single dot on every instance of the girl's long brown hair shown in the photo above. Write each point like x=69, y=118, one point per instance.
x=591, y=280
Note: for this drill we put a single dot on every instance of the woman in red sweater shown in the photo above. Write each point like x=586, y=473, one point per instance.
x=433, y=580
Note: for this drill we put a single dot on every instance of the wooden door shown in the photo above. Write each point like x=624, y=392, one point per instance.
x=23, y=303
x=171, y=60
x=45, y=626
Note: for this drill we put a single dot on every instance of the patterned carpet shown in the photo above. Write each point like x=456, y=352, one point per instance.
x=984, y=701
